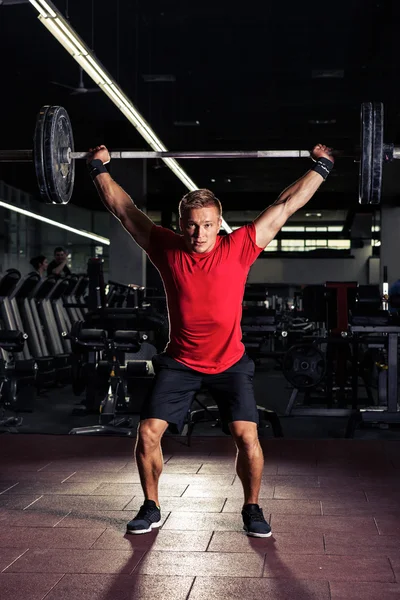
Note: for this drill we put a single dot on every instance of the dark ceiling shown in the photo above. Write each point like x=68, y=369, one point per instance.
x=254, y=75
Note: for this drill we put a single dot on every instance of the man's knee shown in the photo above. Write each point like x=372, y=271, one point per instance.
x=150, y=432
x=245, y=434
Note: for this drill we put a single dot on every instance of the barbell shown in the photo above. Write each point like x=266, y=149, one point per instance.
x=54, y=157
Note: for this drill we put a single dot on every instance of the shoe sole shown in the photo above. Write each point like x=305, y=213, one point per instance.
x=140, y=531
x=258, y=535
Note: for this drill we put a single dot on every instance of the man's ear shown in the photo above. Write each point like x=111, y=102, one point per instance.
x=180, y=224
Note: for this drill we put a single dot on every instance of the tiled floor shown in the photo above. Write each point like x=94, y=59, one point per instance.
x=334, y=507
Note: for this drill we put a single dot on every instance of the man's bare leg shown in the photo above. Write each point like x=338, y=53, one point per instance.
x=149, y=456
x=249, y=459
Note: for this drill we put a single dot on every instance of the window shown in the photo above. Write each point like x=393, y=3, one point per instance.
x=307, y=245
x=272, y=246
x=298, y=228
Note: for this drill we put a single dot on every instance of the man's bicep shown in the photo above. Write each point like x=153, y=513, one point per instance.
x=269, y=223
x=138, y=225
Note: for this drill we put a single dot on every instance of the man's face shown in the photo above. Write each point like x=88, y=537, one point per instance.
x=59, y=256
x=200, y=227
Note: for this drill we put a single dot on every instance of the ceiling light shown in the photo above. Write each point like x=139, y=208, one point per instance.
x=322, y=121
x=65, y=34
x=149, y=78
x=186, y=123
x=327, y=73
x=28, y=213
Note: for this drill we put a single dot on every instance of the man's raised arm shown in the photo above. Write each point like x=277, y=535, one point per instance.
x=116, y=200
x=269, y=222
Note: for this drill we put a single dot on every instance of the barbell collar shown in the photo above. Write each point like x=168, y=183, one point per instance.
x=396, y=152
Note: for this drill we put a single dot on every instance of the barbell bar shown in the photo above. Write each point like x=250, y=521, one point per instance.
x=54, y=157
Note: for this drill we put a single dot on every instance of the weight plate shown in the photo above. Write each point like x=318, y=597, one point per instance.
x=304, y=366
x=377, y=153
x=366, y=136
x=57, y=137
x=38, y=157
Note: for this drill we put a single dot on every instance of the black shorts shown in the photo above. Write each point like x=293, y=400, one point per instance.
x=175, y=386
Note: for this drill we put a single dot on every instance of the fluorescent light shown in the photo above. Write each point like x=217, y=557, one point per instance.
x=100, y=71
x=70, y=34
x=51, y=25
x=28, y=213
x=44, y=8
x=86, y=66
x=39, y=8
x=65, y=34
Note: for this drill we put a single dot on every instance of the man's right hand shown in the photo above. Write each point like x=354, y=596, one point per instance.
x=101, y=153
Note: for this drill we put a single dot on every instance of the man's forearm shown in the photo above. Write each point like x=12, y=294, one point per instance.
x=300, y=192
x=114, y=198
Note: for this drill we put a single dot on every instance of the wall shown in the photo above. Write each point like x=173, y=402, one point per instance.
x=312, y=270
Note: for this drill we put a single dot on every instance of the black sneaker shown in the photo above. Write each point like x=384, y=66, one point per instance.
x=148, y=517
x=253, y=521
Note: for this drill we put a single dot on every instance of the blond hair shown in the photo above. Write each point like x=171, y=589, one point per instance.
x=199, y=199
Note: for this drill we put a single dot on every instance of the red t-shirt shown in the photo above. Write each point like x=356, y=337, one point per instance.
x=204, y=296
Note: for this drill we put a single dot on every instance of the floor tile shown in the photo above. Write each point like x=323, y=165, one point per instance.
x=300, y=481
x=116, y=519
x=223, y=491
x=395, y=563
x=31, y=518
x=158, y=539
x=324, y=524
x=135, y=489
x=192, y=521
x=35, y=476
x=383, y=495
x=121, y=587
x=388, y=525
x=184, y=504
x=32, y=586
x=44, y=487
x=234, y=541
x=9, y=555
x=80, y=464
x=304, y=493
x=351, y=544
x=222, y=588
x=277, y=506
x=341, y=590
x=81, y=502
x=353, y=509
x=328, y=567
x=71, y=561
x=201, y=564
x=48, y=537
x=104, y=477
x=17, y=502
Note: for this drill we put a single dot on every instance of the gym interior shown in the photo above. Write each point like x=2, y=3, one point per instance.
x=180, y=87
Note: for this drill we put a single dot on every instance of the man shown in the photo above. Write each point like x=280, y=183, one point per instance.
x=58, y=266
x=204, y=276
x=40, y=264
